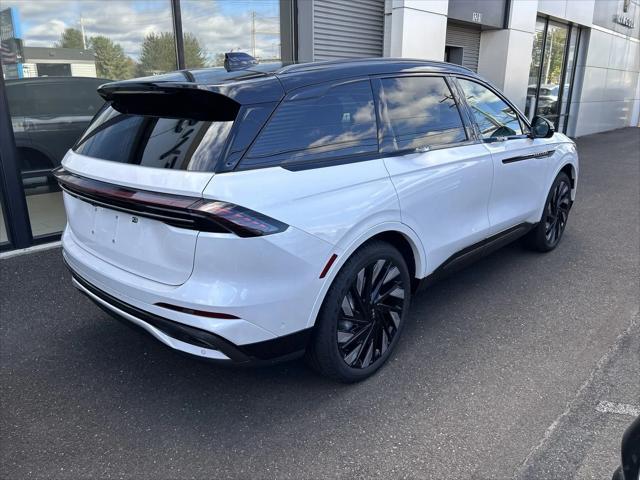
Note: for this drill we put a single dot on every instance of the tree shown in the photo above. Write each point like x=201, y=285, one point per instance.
x=218, y=60
x=194, y=54
x=111, y=61
x=159, y=53
x=70, y=38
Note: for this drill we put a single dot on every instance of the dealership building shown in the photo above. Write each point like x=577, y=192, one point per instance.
x=575, y=62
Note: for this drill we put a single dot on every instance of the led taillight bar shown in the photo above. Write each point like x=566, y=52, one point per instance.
x=177, y=210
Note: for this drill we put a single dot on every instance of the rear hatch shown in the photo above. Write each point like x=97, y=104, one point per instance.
x=149, y=152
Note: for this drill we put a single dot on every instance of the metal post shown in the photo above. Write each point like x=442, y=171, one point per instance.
x=563, y=77
x=15, y=203
x=288, y=31
x=176, y=16
x=573, y=79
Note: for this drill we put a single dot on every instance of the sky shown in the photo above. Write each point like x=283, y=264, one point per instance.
x=219, y=25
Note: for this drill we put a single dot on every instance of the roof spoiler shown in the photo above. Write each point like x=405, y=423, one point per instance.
x=238, y=61
x=169, y=100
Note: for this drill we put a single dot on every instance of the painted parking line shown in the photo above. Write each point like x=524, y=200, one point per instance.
x=619, y=408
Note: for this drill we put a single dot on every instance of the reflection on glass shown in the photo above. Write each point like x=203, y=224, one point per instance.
x=319, y=124
x=534, y=69
x=566, y=88
x=494, y=117
x=553, y=61
x=547, y=70
x=179, y=144
x=55, y=55
x=421, y=112
x=212, y=28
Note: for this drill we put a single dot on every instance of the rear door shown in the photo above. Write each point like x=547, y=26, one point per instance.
x=441, y=173
x=135, y=155
x=520, y=163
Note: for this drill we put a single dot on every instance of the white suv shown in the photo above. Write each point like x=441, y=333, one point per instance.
x=256, y=214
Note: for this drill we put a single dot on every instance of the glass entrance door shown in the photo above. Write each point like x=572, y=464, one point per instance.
x=551, y=73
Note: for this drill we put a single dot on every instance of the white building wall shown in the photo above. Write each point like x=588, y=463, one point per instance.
x=83, y=70
x=505, y=55
x=29, y=70
x=416, y=28
x=580, y=11
x=606, y=82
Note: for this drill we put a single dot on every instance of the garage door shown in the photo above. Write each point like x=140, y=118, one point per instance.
x=347, y=29
x=467, y=39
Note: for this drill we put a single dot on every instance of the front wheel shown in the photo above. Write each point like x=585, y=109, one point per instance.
x=362, y=314
x=547, y=234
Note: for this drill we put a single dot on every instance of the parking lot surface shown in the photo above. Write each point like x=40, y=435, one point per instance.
x=499, y=373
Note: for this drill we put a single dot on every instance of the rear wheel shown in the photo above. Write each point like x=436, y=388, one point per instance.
x=362, y=315
x=547, y=234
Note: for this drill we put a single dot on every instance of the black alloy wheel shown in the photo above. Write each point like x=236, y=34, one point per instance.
x=370, y=313
x=546, y=235
x=362, y=315
x=557, y=211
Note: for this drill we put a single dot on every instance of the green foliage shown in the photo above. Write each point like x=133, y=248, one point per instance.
x=159, y=54
x=70, y=38
x=194, y=54
x=111, y=61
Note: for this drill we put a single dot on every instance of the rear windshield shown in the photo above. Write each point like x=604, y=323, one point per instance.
x=179, y=144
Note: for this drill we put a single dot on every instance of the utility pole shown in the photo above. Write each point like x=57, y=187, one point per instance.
x=253, y=33
x=84, y=39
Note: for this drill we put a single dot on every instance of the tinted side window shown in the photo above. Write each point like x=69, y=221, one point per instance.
x=318, y=123
x=494, y=117
x=421, y=112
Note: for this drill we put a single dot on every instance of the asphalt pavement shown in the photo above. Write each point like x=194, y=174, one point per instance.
x=512, y=368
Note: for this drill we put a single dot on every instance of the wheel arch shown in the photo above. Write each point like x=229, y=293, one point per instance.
x=35, y=155
x=397, y=234
x=569, y=165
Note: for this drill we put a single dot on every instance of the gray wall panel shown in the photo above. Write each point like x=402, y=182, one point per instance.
x=347, y=29
x=469, y=39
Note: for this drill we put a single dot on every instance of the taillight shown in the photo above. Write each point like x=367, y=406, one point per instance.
x=241, y=221
x=177, y=210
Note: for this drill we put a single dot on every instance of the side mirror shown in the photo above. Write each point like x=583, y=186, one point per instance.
x=542, y=128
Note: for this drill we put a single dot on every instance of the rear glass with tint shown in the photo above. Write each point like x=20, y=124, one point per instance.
x=316, y=124
x=179, y=144
x=421, y=112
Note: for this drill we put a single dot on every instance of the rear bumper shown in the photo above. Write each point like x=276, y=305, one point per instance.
x=192, y=340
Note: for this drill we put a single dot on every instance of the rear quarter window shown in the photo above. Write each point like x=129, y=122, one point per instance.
x=320, y=123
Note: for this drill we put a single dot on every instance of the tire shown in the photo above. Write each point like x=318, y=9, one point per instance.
x=360, y=322
x=548, y=232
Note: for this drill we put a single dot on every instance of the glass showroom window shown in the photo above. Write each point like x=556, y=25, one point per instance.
x=54, y=57
x=551, y=73
x=214, y=27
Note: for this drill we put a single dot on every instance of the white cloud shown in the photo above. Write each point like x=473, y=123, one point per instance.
x=127, y=22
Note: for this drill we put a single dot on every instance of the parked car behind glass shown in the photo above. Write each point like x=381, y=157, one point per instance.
x=49, y=114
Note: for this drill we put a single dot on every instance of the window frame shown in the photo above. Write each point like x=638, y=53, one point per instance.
x=384, y=125
x=324, y=162
x=525, y=126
